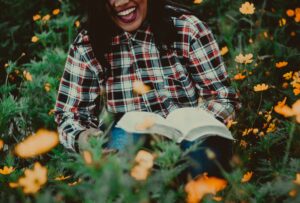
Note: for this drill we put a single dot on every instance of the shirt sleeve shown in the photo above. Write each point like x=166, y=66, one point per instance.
x=76, y=100
x=209, y=74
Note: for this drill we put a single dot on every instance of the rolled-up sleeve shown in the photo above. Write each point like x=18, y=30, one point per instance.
x=209, y=73
x=76, y=100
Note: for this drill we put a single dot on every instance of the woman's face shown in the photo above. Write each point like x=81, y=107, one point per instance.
x=127, y=14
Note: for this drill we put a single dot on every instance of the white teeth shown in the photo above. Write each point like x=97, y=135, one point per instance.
x=126, y=12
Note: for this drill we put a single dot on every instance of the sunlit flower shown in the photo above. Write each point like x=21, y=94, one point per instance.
x=261, y=87
x=290, y=12
x=34, y=39
x=239, y=76
x=87, y=156
x=297, y=180
x=7, y=170
x=77, y=23
x=293, y=193
x=47, y=87
x=46, y=18
x=281, y=64
x=144, y=159
x=27, y=75
x=282, y=22
x=296, y=91
x=255, y=131
x=56, y=11
x=203, y=185
x=147, y=123
x=140, y=88
x=296, y=110
x=261, y=134
x=288, y=75
x=271, y=128
x=36, y=17
x=33, y=179
x=224, y=50
x=283, y=109
x=247, y=176
x=248, y=58
x=62, y=177
x=247, y=131
x=247, y=8
x=40, y=142
x=139, y=173
x=198, y=1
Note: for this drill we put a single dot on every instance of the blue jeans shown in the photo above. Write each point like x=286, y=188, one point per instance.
x=120, y=139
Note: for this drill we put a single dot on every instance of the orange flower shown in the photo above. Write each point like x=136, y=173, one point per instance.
x=147, y=123
x=27, y=75
x=296, y=110
x=198, y=1
x=239, y=76
x=271, y=128
x=288, y=75
x=34, y=39
x=297, y=180
x=36, y=17
x=290, y=13
x=248, y=58
x=75, y=182
x=87, y=156
x=261, y=87
x=224, y=50
x=243, y=144
x=33, y=179
x=145, y=159
x=283, y=109
x=139, y=172
x=62, y=177
x=1, y=144
x=7, y=170
x=296, y=91
x=36, y=144
x=77, y=23
x=247, y=8
x=198, y=188
x=282, y=22
x=247, y=176
x=281, y=64
x=46, y=18
x=56, y=11
x=47, y=87
x=51, y=112
x=293, y=193
x=140, y=88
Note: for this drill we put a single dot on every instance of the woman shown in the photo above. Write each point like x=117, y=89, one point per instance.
x=164, y=46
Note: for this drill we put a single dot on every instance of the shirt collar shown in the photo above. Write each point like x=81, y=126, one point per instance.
x=142, y=35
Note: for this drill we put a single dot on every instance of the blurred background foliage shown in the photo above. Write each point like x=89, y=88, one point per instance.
x=33, y=54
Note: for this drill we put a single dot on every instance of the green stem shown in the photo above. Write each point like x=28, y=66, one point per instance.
x=289, y=143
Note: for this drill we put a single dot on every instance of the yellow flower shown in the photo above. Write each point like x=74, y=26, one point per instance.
x=239, y=76
x=7, y=170
x=27, y=75
x=230, y=123
x=1, y=144
x=290, y=13
x=217, y=198
x=297, y=180
x=224, y=50
x=62, y=177
x=33, y=179
x=46, y=18
x=283, y=109
x=47, y=87
x=255, y=131
x=198, y=1
x=139, y=173
x=271, y=128
x=281, y=64
x=40, y=142
x=247, y=131
x=144, y=159
x=296, y=91
x=282, y=22
x=140, y=88
x=51, y=112
x=77, y=23
x=147, y=123
x=34, y=39
x=203, y=185
x=13, y=185
x=36, y=17
x=247, y=176
x=288, y=75
x=247, y=8
x=87, y=156
x=243, y=144
x=261, y=87
x=248, y=58
x=56, y=11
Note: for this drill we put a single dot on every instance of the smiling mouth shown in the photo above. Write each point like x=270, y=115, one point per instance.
x=128, y=15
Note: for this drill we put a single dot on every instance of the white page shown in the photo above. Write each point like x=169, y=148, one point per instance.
x=188, y=118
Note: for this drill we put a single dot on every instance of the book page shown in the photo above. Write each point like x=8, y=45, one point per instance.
x=188, y=118
x=132, y=121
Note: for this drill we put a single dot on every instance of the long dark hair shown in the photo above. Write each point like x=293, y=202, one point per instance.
x=101, y=28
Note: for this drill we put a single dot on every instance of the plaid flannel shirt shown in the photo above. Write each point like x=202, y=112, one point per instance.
x=192, y=73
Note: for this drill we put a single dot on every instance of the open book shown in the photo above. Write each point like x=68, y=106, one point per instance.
x=186, y=123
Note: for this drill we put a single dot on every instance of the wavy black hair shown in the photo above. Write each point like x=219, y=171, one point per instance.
x=101, y=28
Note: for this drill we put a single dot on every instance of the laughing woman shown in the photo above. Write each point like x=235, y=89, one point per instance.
x=164, y=46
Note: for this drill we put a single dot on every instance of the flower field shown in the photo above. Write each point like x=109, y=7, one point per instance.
x=259, y=42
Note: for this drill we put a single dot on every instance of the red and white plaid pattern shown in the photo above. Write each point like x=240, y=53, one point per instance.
x=192, y=69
